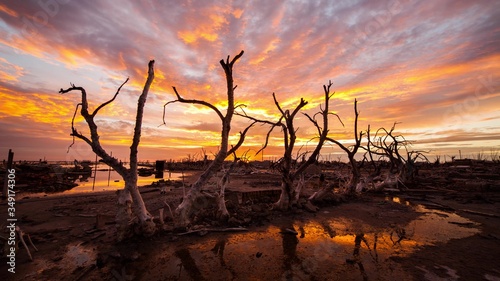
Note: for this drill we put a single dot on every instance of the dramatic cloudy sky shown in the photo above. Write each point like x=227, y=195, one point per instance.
x=433, y=66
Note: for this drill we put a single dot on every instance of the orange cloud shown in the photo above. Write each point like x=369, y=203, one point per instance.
x=207, y=31
x=237, y=13
x=289, y=49
x=267, y=52
x=5, y=9
x=10, y=72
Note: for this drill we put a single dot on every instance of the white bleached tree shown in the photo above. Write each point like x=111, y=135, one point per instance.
x=186, y=209
x=129, y=199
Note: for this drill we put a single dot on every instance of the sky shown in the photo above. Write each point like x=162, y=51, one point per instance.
x=431, y=66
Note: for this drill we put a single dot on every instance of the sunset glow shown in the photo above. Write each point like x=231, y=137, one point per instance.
x=434, y=67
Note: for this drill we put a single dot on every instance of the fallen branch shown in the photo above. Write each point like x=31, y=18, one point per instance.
x=86, y=271
x=21, y=234
x=479, y=213
x=86, y=215
x=231, y=229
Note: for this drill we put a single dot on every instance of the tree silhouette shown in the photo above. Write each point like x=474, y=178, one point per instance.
x=185, y=210
x=130, y=195
x=290, y=169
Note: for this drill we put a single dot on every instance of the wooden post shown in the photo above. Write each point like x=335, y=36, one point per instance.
x=161, y=217
x=95, y=172
x=99, y=221
x=6, y=180
x=109, y=170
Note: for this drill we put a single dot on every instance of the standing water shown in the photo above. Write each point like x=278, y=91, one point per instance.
x=335, y=249
x=115, y=181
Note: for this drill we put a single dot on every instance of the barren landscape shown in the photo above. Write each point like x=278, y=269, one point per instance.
x=250, y=140
x=444, y=228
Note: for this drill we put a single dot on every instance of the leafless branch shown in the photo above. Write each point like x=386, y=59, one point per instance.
x=191, y=101
x=241, y=140
x=140, y=112
x=111, y=100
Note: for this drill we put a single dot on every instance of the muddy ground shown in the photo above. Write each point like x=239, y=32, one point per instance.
x=432, y=232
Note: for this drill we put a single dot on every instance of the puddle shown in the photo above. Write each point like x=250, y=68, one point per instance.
x=101, y=184
x=436, y=226
x=337, y=249
x=116, y=182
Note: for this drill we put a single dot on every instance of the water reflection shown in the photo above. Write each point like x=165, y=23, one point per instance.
x=334, y=249
x=189, y=264
x=115, y=182
x=355, y=255
x=218, y=249
x=435, y=225
x=289, y=243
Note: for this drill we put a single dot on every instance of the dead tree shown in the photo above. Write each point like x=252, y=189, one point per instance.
x=395, y=149
x=351, y=152
x=130, y=195
x=185, y=210
x=292, y=170
x=370, y=152
x=222, y=213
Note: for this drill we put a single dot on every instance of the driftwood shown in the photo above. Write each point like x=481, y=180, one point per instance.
x=161, y=216
x=86, y=271
x=21, y=237
x=230, y=229
x=479, y=213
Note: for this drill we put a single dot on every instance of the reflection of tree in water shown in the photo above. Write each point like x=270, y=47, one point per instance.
x=328, y=229
x=218, y=249
x=289, y=243
x=356, y=259
x=189, y=264
x=400, y=234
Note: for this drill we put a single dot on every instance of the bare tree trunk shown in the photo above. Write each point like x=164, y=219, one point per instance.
x=222, y=213
x=284, y=202
x=322, y=192
x=145, y=219
x=289, y=194
x=130, y=194
x=186, y=208
x=124, y=215
x=351, y=152
x=298, y=189
x=355, y=175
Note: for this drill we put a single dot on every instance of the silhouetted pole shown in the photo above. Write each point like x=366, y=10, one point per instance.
x=6, y=180
x=109, y=169
x=95, y=172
